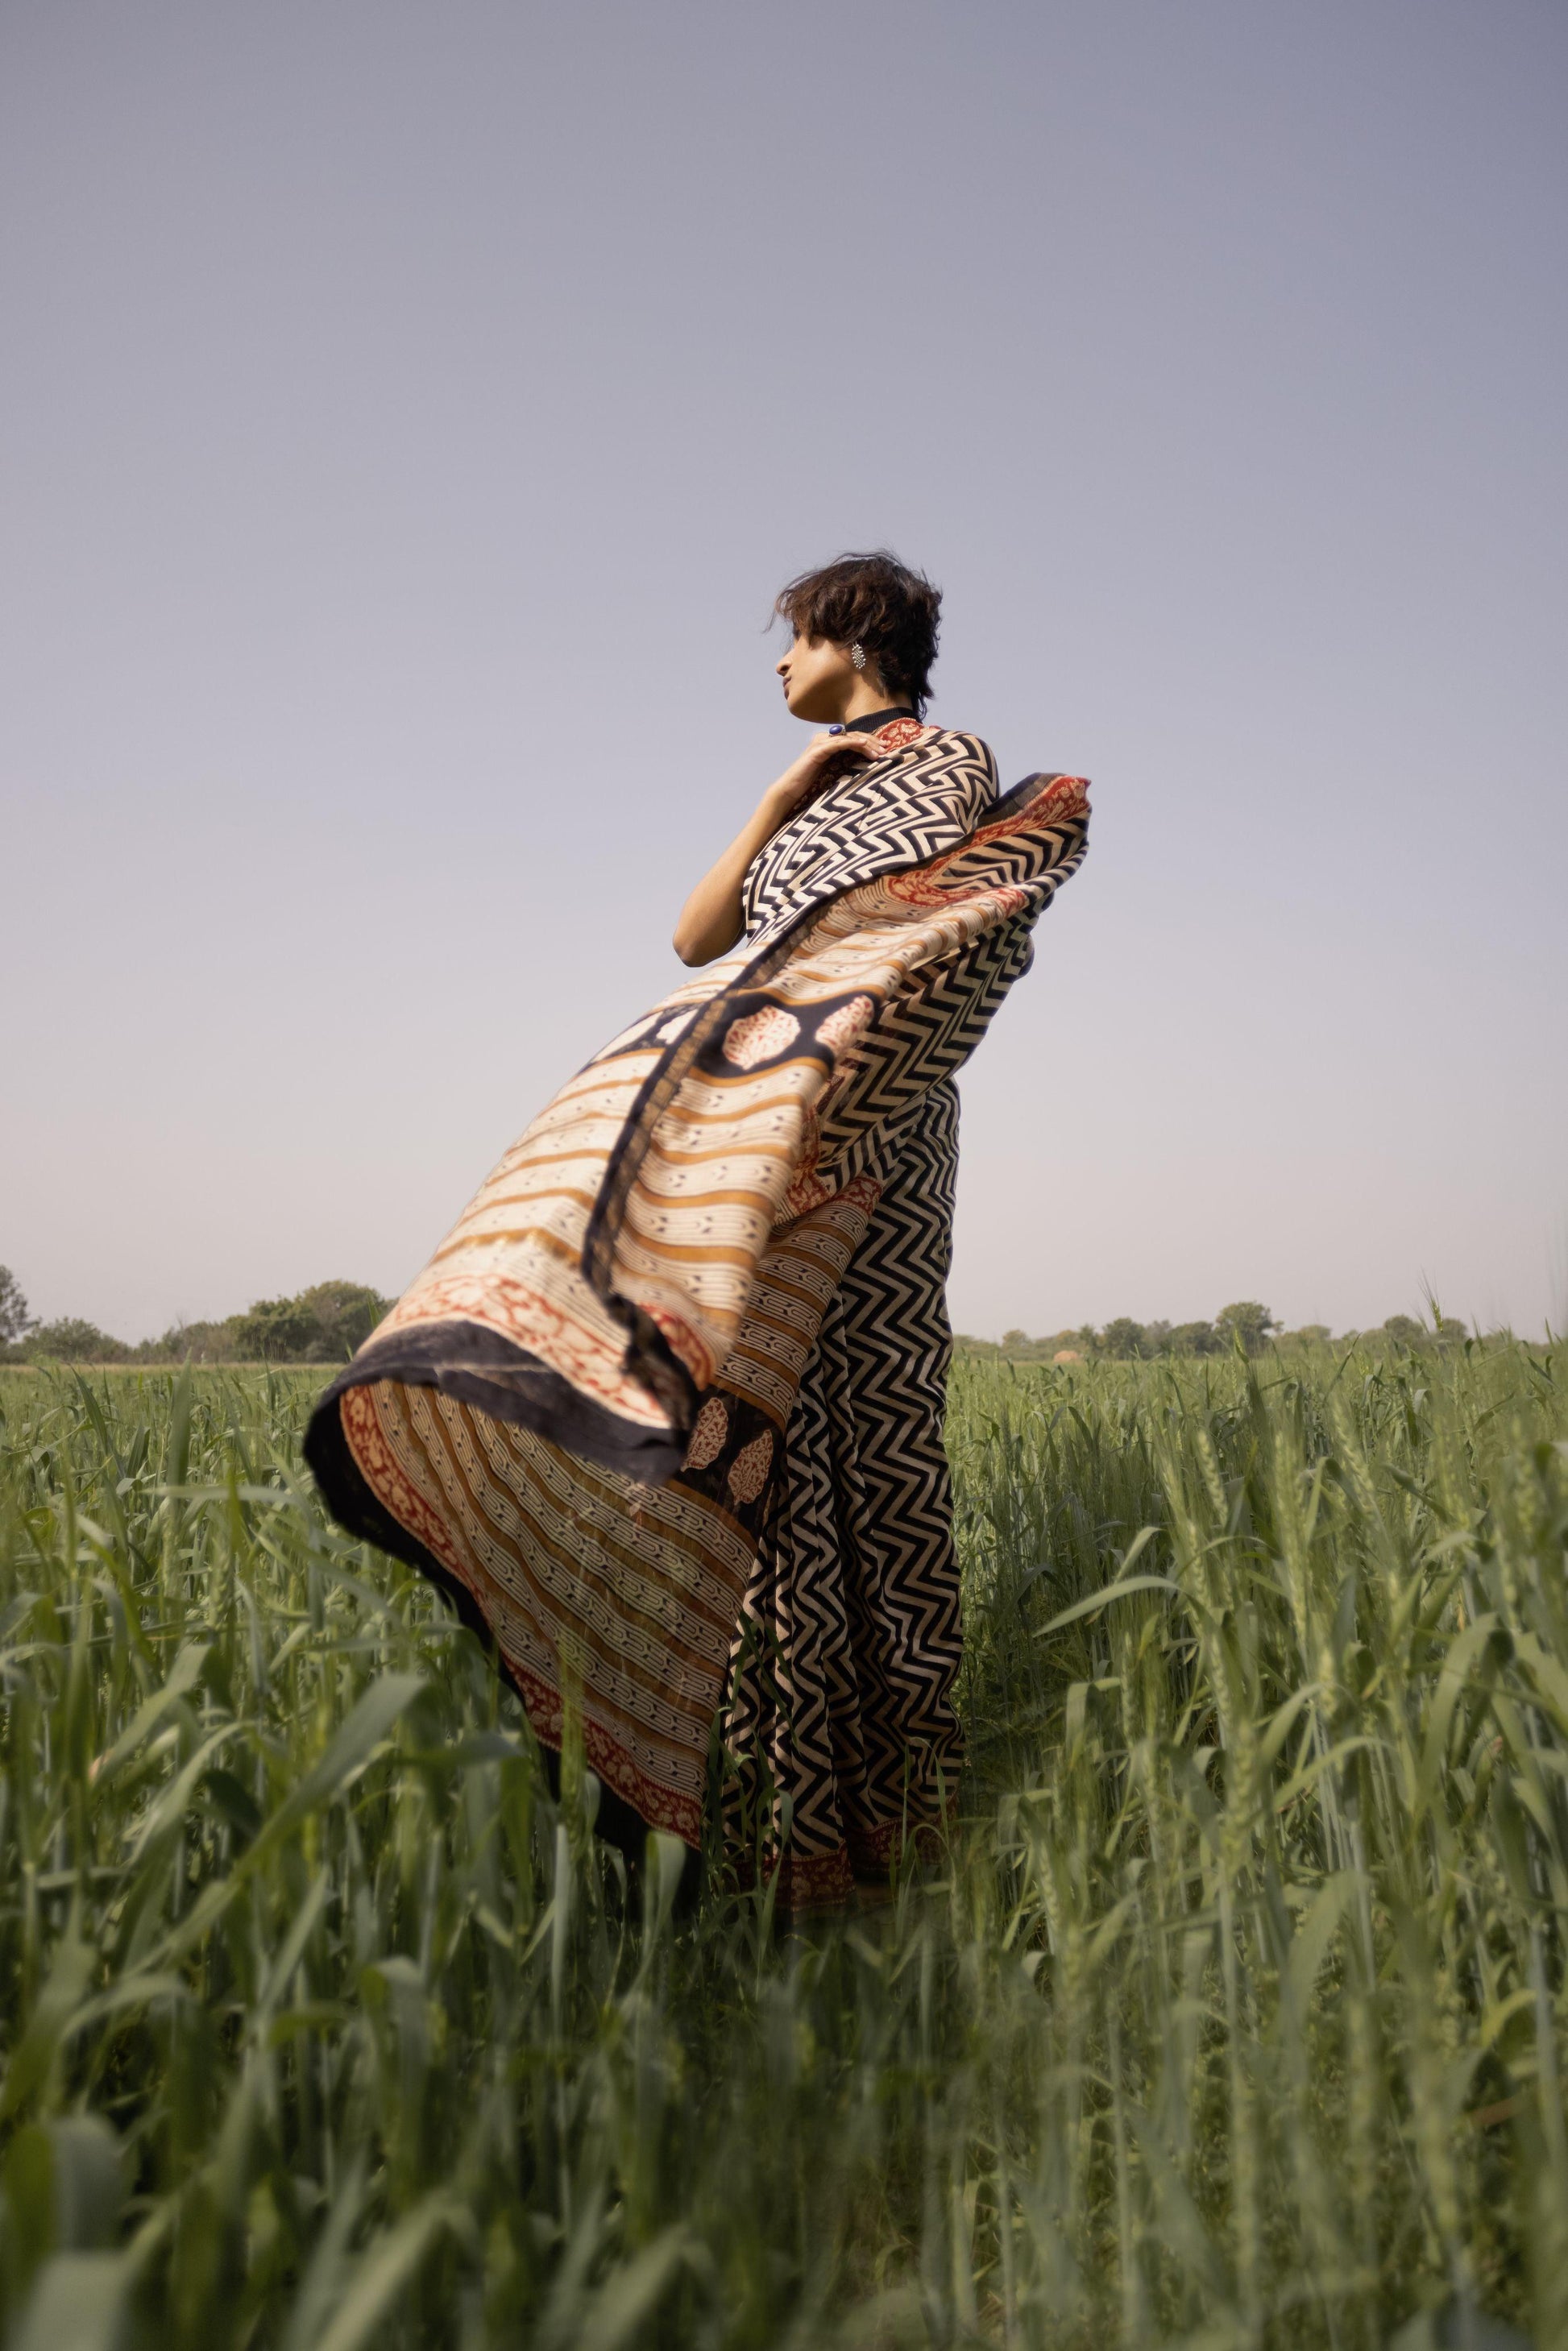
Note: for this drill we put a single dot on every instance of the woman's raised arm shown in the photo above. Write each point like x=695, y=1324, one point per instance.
x=711, y=920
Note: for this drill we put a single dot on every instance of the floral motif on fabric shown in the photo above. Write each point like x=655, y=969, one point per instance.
x=848, y=1021
x=934, y=888
x=805, y=1192
x=758, y=1036
x=749, y=1470
x=708, y=1435
x=900, y=732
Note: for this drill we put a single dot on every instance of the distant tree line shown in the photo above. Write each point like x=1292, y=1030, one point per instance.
x=320, y=1325
x=325, y=1325
x=1246, y=1323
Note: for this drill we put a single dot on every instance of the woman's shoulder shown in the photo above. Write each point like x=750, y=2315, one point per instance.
x=965, y=759
x=927, y=735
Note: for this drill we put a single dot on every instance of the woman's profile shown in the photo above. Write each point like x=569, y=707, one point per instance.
x=662, y=1415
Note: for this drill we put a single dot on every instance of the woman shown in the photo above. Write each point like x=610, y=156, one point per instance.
x=664, y=1412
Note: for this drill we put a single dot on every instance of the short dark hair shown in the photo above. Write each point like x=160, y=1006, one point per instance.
x=876, y=601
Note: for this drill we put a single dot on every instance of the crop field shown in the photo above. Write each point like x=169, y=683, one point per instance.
x=1233, y=2014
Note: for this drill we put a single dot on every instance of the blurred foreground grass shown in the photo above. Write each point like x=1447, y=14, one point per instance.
x=1235, y=2015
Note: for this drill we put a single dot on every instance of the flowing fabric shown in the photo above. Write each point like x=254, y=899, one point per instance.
x=841, y=1702
x=662, y=1413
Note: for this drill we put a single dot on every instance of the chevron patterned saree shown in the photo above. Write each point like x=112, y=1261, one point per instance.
x=662, y=1414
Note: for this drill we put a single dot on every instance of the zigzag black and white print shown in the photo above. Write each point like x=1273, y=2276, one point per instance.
x=841, y=1735
x=925, y=797
x=926, y=1037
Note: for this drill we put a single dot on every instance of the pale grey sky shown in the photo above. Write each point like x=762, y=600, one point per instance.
x=408, y=413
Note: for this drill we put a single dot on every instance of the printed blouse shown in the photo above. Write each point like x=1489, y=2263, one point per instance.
x=925, y=792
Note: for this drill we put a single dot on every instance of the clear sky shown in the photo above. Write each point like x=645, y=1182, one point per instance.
x=407, y=414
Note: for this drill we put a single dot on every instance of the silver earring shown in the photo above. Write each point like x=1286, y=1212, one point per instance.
x=857, y=656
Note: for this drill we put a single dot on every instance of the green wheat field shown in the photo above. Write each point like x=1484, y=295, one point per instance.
x=1234, y=2014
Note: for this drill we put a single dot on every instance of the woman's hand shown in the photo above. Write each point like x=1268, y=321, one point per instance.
x=711, y=918
x=797, y=779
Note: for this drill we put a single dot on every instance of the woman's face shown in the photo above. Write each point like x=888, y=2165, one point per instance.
x=819, y=677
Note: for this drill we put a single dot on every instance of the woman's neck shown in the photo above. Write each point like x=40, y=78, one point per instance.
x=864, y=699
x=874, y=720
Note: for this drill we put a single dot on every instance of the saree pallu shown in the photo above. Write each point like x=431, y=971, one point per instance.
x=662, y=1413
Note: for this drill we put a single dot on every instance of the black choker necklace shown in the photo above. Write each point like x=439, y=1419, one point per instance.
x=873, y=720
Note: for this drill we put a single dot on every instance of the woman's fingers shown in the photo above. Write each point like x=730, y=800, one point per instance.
x=802, y=776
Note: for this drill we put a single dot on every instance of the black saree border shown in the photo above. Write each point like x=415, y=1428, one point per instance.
x=480, y=1366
